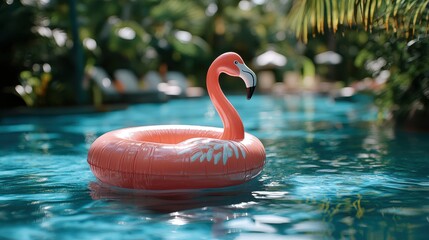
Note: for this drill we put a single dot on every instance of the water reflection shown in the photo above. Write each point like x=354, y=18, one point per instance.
x=173, y=201
x=330, y=174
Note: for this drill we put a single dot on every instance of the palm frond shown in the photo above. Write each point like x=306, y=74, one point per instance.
x=401, y=17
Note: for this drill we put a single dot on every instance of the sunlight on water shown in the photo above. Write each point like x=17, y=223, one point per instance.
x=330, y=174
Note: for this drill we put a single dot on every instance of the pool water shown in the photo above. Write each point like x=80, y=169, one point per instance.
x=331, y=173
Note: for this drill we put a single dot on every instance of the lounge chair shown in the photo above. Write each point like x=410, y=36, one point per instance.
x=129, y=86
x=179, y=80
x=105, y=85
x=176, y=84
x=121, y=91
x=128, y=81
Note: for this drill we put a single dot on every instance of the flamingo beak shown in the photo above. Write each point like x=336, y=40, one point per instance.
x=249, y=78
x=250, y=91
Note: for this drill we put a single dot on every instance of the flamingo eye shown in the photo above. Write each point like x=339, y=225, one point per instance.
x=235, y=62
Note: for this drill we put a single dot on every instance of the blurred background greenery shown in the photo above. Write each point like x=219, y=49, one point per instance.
x=372, y=46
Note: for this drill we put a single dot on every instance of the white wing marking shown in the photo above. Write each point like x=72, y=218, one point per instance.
x=242, y=151
x=210, y=154
x=208, y=149
x=235, y=150
x=195, y=156
x=217, y=146
x=225, y=154
x=217, y=158
x=203, y=156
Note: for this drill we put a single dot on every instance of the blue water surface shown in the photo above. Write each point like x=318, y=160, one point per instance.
x=331, y=173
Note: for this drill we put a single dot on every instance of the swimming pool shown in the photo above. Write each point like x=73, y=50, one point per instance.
x=330, y=174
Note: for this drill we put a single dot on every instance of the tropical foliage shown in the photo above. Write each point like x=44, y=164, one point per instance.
x=399, y=40
x=138, y=35
x=34, y=55
x=403, y=18
x=41, y=54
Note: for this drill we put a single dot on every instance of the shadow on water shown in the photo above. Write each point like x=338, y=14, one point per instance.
x=174, y=201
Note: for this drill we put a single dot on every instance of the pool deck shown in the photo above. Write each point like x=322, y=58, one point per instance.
x=64, y=110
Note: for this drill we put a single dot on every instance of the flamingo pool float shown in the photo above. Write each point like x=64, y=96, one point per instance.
x=168, y=157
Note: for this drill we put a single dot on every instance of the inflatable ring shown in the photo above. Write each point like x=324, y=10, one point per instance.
x=167, y=157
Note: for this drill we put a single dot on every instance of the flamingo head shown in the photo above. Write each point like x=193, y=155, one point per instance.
x=233, y=65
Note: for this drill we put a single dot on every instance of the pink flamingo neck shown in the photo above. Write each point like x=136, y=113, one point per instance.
x=232, y=124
